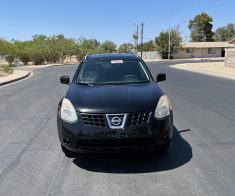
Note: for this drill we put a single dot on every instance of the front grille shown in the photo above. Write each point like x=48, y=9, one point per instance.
x=137, y=118
x=93, y=119
x=98, y=120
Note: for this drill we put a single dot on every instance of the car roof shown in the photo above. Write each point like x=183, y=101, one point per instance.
x=112, y=56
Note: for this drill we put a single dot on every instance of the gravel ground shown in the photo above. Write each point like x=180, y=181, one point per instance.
x=210, y=68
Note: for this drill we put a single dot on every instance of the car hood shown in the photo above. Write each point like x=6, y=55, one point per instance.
x=114, y=98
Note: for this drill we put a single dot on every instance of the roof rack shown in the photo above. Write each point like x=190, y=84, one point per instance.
x=131, y=52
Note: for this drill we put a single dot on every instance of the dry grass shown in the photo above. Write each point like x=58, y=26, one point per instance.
x=211, y=66
x=6, y=70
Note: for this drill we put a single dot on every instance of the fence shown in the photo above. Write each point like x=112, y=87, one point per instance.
x=230, y=57
x=150, y=55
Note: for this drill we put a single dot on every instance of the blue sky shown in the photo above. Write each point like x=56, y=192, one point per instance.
x=114, y=20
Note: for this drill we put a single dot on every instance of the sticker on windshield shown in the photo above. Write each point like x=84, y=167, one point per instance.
x=116, y=61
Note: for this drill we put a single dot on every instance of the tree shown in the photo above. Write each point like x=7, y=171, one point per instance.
x=149, y=46
x=39, y=51
x=61, y=47
x=89, y=44
x=108, y=47
x=52, y=49
x=126, y=47
x=6, y=48
x=162, y=42
x=225, y=33
x=22, y=50
x=81, y=53
x=136, y=38
x=201, y=28
x=10, y=59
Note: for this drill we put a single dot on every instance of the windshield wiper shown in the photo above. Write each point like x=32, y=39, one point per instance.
x=113, y=83
x=85, y=84
x=125, y=83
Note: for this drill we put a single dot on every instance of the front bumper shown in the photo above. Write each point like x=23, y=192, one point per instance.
x=79, y=137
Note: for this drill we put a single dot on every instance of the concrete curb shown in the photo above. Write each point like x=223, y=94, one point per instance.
x=48, y=65
x=28, y=72
x=15, y=79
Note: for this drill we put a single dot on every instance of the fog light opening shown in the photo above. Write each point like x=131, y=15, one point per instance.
x=66, y=141
x=166, y=137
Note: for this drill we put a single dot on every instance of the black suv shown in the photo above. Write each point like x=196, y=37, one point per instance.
x=114, y=104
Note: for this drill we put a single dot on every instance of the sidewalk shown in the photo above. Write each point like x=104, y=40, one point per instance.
x=213, y=68
x=41, y=66
x=188, y=59
x=34, y=67
x=15, y=76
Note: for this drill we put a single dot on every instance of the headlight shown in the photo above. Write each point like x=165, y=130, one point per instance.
x=68, y=112
x=163, y=107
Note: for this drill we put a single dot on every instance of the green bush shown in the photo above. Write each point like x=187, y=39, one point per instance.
x=7, y=69
x=37, y=59
x=25, y=58
x=10, y=59
x=81, y=54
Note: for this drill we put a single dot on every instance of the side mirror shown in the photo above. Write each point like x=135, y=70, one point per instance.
x=64, y=80
x=161, y=77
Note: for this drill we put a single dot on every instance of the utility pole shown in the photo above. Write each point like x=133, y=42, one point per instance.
x=142, y=37
x=169, y=33
x=137, y=36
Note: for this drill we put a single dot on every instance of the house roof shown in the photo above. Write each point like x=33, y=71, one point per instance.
x=232, y=41
x=207, y=45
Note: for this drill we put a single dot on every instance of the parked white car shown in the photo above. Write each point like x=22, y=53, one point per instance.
x=17, y=63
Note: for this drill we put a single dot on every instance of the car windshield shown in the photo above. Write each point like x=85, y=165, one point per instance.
x=112, y=72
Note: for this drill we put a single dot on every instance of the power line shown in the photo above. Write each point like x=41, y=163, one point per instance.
x=186, y=4
x=165, y=13
x=209, y=6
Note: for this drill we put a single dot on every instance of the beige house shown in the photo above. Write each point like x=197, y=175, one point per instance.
x=202, y=50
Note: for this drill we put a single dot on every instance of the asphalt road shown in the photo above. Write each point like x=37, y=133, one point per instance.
x=200, y=160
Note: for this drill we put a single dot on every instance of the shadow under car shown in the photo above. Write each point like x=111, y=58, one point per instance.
x=178, y=154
